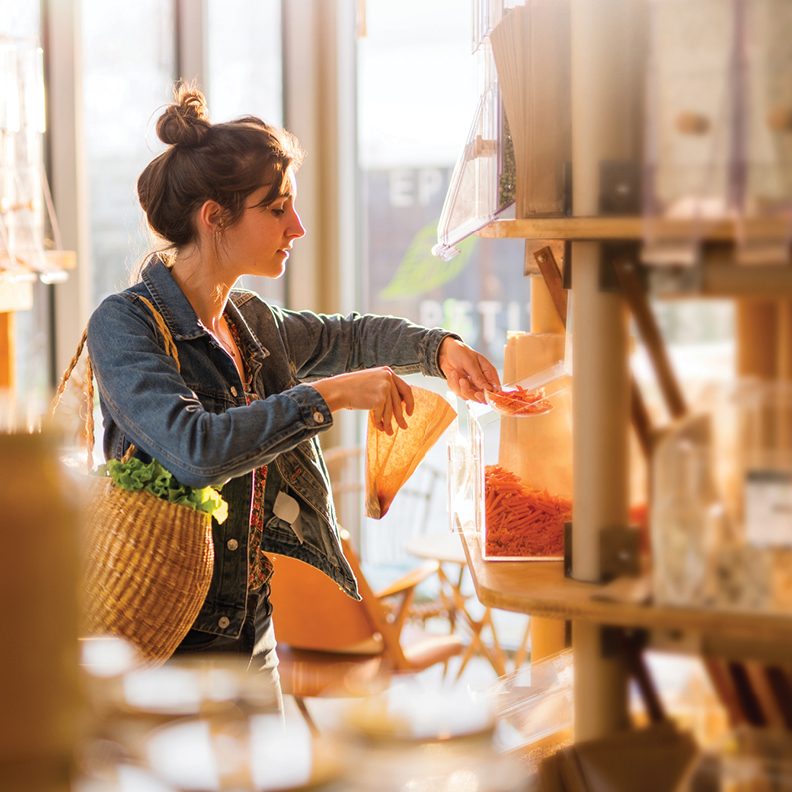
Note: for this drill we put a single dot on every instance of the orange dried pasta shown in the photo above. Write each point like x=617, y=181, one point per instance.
x=519, y=401
x=522, y=521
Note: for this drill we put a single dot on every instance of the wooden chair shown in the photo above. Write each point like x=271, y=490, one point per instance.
x=332, y=645
x=411, y=511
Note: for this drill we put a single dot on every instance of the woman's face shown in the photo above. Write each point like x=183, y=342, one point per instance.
x=260, y=242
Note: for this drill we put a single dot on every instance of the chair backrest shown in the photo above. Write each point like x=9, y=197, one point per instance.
x=345, y=468
x=310, y=611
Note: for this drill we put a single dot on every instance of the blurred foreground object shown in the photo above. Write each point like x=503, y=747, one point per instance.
x=419, y=735
x=534, y=705
x=722, y=504
x=40, y=716
x=190, y=724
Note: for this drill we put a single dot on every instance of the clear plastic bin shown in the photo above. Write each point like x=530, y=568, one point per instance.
x=748, y=760
x=689, y=131
x=765, y=107
x=534, y=702
x=521, y=460
x=486, y=14
x=722, y=504
x=531, y=47
x=474, y=197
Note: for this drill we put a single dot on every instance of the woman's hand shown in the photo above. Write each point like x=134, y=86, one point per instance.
x=468, y=373
x=378, y=390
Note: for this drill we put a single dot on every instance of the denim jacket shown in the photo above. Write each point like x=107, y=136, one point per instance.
x=196, y=422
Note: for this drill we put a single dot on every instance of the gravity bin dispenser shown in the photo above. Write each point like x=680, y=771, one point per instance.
x=517, y=450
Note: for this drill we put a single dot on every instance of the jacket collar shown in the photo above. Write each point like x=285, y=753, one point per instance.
x=177, y=311
x=170, y=301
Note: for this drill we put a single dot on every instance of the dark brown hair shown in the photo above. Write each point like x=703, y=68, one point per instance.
x=204, y=161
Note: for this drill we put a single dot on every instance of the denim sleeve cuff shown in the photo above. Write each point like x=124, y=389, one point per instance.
x=430, y=351
x=313, y=408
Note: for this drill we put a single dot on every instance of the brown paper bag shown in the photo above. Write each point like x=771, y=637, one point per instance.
x=391, y=460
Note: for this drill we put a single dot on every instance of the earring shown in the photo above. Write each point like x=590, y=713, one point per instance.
x=219, y=231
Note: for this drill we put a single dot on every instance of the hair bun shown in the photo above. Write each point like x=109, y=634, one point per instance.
x=186, y=121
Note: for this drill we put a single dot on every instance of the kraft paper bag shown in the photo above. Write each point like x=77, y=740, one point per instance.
x=391, y=460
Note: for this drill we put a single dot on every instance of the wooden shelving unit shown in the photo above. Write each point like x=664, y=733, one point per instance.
x=720, y=275
x=608, y=228
x=541, y=589
x=604, y=113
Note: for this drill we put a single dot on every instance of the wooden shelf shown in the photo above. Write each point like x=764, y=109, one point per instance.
x=720, y=275
x=539, y=588
x=604, y=228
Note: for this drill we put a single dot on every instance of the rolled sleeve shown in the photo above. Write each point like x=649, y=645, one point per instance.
x=312, y=406
x=430, y=351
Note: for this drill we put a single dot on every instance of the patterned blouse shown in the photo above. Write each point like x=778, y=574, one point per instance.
x=259, y=565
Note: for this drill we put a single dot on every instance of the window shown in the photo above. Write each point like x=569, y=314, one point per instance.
x=417, y=94
x=126, y=79
x=418, y=90
x=244, y=76
x=22, y=20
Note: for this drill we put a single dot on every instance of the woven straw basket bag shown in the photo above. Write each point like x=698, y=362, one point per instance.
x=147, y=562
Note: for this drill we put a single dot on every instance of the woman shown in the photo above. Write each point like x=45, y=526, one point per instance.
x=257, y=385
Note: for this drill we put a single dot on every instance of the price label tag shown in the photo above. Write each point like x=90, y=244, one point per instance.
x=768, y=508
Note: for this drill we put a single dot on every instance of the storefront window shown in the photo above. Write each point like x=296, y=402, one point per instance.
x=417, y=97
x=22, y=20
x=127, y=78
x=244, y=74
x=413, y=121
x=244, y=77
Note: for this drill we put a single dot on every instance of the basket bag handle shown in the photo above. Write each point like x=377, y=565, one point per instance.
x=90, y=438
x=147, y=562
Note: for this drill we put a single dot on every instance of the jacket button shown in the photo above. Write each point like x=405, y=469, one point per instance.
x=223, y=622
x=318, y=417
x=232, y=544
x=233, y=391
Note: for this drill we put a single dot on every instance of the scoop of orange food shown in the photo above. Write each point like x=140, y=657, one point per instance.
x=519, y=402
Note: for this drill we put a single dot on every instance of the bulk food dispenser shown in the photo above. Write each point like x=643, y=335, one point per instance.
x=510, y=468
x=513, y=481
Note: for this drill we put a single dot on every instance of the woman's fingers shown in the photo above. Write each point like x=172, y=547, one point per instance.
x=399, y=403
x=452, y=378
x=468, y=373
x=490, y=374
x=402, y=400
x=385, y=395
x=388, y=408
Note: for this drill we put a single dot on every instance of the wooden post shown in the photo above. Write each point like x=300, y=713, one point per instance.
x=544, y=314
x=603, y=35
x=41, y=718
x=784, y=340
x=7, y=352
x=548, y=636
x=756, y=330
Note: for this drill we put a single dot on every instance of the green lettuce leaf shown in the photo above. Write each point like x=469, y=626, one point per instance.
x=136, y=475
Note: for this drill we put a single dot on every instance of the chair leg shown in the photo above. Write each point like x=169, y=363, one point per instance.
x=496, y=654
x=522, y=652
x=314, y=729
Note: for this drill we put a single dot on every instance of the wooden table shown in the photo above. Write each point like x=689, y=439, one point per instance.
x=447, y=549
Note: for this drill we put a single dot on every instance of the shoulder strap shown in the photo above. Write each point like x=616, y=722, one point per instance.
x=170, y=348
